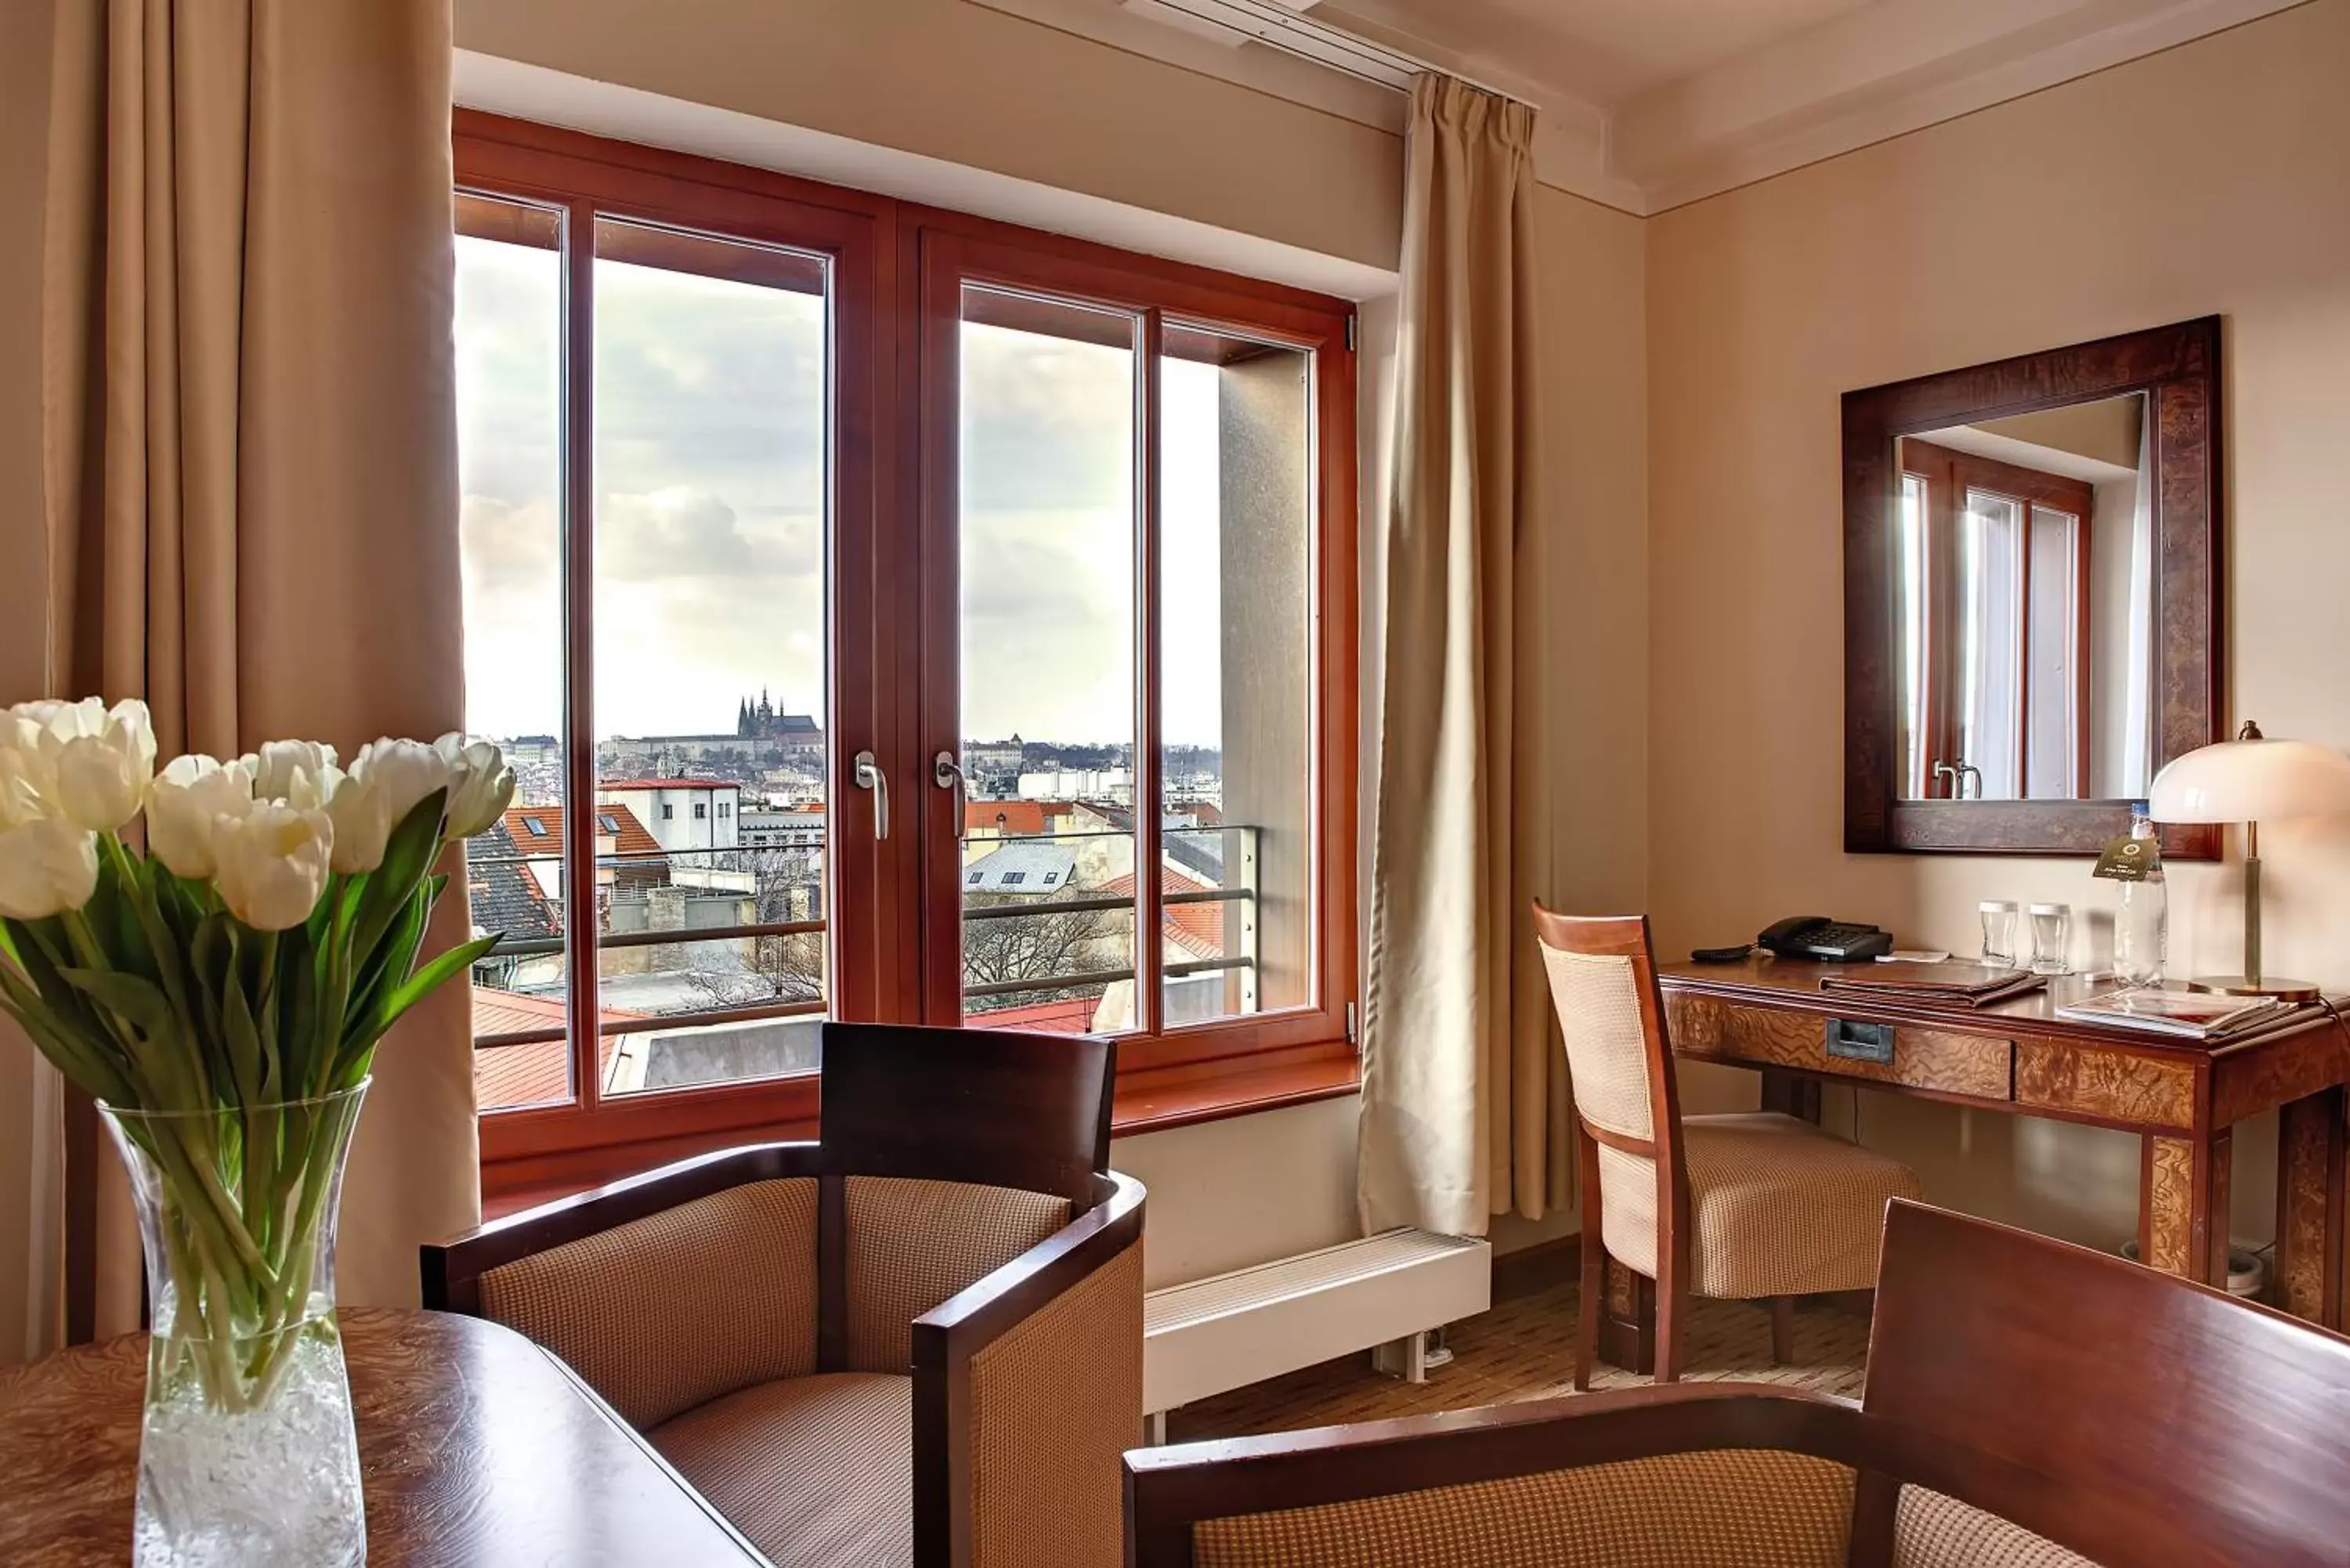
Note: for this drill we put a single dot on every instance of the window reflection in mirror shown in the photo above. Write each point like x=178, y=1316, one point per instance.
x=2025, y=600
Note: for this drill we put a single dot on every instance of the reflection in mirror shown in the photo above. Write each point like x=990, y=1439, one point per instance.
x=2025, y=601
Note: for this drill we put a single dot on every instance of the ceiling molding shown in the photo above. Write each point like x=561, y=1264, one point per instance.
x=1887, y=69
x=1894, y=67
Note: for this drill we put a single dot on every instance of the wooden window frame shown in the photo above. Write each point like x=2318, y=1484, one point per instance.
x=883, y=251
x=1948, y=475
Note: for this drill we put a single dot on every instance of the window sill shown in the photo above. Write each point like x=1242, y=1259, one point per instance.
x=1148, y=1100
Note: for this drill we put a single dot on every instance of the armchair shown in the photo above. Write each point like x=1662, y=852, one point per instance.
x=2029, y=1404
x=916, y=1340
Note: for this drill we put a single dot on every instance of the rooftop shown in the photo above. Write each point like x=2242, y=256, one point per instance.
x=666, y=784
x=1023, y=867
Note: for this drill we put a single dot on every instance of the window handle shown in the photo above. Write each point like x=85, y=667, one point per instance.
x=948, y=774
x=870, y=776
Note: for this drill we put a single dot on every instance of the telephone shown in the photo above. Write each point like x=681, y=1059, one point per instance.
x=1819, y=937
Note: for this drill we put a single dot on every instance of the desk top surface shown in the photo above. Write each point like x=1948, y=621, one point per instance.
x=1795, y=982
x=475, y=1448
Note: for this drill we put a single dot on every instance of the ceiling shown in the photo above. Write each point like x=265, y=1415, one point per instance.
x=1603, y=51
x=1648, y=104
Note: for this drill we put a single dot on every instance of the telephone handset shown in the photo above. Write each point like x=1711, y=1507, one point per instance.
x=1832, y=942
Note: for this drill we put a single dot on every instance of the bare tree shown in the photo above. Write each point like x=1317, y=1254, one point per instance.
x=1043, y=943
x=787, y=967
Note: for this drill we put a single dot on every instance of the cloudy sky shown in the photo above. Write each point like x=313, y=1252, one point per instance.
x=709, y=530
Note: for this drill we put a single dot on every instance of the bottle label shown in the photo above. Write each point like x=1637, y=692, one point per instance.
x=2128, y=860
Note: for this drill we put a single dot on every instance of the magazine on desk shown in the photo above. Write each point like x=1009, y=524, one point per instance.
x=2165, y=1010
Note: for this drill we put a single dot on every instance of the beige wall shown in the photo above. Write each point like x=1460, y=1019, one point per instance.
x=2214, y=178
x=977, y=87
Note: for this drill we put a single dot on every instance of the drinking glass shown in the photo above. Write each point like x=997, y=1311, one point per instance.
x=2051, y=937
x=1998, y=932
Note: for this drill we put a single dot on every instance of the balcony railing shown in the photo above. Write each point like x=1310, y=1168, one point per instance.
x=1231, y=867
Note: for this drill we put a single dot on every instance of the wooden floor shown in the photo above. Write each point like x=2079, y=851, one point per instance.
x=1525, y=1349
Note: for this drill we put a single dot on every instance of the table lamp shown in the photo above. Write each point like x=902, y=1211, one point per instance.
x=2252, y=779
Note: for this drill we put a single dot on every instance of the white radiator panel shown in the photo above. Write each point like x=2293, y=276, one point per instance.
x=1235, y=1329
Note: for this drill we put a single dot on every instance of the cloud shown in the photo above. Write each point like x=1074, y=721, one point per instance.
x=686, y=532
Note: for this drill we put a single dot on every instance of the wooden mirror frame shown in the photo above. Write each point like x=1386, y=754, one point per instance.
x=2177, y=368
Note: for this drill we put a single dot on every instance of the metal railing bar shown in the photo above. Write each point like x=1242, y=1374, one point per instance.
x=538, y=946
x=1083, y=978
x=652, y=1023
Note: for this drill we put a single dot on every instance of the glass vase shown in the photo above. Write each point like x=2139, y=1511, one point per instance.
x=247, y=1454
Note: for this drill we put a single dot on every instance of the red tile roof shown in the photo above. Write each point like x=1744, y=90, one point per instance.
x=535, y=1074
x=633, y=838
x=1074, y=1016
x=1022, y=818
x=1196, y=927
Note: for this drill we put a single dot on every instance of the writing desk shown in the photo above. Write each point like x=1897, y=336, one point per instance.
x=2182, y=1098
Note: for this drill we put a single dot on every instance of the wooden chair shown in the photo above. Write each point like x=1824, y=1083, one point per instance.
x=918, y=1339
x=2029, y=1404
x=1746, y=1206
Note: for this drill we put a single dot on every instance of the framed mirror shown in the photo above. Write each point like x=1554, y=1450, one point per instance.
x=2033, y=553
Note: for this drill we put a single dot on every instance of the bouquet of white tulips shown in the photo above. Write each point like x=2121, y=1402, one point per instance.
x=213, y=990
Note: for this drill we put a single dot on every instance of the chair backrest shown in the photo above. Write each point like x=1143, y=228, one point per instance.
x=989, y=1106
x=1603, y=986
x=2126, y=1413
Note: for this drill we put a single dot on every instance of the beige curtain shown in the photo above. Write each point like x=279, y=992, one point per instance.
x=1464, y=1096
x=246, y=502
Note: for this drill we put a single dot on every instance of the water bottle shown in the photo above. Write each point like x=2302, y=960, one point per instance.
x=2142, y=917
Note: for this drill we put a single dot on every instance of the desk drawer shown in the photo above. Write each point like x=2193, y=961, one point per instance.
x=1954, y=1062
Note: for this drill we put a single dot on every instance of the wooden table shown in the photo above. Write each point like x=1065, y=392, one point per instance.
x=476, y=1448
x=2182, y=1098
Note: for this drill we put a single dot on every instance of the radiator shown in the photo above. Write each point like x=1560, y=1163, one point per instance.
x=1224, y=1333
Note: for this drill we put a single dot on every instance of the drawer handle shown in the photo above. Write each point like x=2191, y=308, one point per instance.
x=1857, y=1042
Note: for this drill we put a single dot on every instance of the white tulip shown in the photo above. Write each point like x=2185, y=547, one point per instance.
x=272, y=864
x=81, y=761
x=299, y=772
x=184, y=806
x=28, y=782
x=405, y=772
x=362, y=824
x=47, y=867
x=481, y=786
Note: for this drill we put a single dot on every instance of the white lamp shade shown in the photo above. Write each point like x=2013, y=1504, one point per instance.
x=2252, y=781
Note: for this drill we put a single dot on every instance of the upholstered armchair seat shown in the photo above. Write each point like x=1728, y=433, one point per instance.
x=916, y=1341
x=814, y=1470
x=1777, y=1207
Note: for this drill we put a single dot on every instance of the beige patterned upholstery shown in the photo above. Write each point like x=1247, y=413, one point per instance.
x=1053, y=1401
x=1727, y=1509
x=664, y=1313
x=1932, y=1531
x=817, y=1471
x=912, y=1244
x=1776, y=1206
x=1598, y=1007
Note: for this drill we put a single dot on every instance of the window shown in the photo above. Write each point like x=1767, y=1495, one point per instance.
x=1126, y=553
x=1995, y=562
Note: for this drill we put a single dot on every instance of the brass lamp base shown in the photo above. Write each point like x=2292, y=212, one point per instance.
x=2267, y=985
